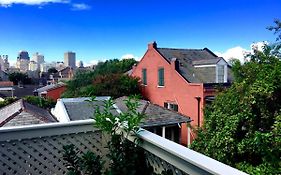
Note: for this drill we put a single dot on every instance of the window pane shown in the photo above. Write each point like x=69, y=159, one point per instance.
x=161, y=77
x=220, y=73
x=144, y=79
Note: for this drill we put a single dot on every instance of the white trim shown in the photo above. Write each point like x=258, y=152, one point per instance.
x=60, y=112
x=188, y=136
x=160, y=86
x=211, y=65
x=164, y=131
x=183, y=158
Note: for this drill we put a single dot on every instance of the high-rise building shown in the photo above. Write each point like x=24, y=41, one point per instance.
x=4, y=63
x=33, y=66
x=23, y=61
x=80, y=64
x=23, y=55
x=38, y=58
x=70, y=59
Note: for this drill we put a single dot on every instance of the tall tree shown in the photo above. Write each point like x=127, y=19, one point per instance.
x=242, y=127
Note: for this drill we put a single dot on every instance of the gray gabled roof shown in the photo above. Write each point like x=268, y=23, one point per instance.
x=24, y=113
x=49, y=87
x=83, y=108
x=155, y=114
x=188, y=58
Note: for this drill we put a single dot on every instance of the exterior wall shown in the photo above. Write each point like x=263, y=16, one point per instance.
x=55, y=93
x=176, y=88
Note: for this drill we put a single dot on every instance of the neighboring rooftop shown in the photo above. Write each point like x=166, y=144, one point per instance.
x=188, y=60
x=155, y=114
x=71, y=109
x=23, y=113
x=49, y=87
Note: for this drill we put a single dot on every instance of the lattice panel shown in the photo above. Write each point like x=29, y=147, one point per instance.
x=159, y=164
x=44, y=155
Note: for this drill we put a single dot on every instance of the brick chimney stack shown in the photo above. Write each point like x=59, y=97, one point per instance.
x=152, y=45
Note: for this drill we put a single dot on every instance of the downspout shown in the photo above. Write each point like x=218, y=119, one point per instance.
x=198, y=109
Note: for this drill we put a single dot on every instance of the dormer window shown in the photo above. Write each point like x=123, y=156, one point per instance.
x=221, y=71
x=220, y=74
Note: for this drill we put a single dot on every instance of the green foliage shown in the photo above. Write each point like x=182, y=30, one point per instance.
x=125, y=156
x=77, y=164
x=276, y=28
x=52, y=70
x=7, y=101
x=242, y=127
x=110, y=73
x=40, y=102
x=18, y=77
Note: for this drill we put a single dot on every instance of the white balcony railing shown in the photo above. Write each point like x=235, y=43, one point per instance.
x=36, y=149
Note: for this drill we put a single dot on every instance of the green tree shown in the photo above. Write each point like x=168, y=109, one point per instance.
x=17, y=77
x=52, y=70
x=110, y=71
x=242, y=126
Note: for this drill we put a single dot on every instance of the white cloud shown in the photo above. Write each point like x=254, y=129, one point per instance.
x=93, y=62
x=9, y=3
x=240, y=53
x=80, y=6
x=129, y=56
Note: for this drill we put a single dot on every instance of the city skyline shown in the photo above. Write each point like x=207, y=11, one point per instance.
x=99, y=30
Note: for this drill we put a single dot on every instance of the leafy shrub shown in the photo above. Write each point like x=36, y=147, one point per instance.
x=40, y=102
x=7, y=101
x=77, y=164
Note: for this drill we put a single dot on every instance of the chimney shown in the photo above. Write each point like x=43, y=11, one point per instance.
x=152, y=45
x=175, y=64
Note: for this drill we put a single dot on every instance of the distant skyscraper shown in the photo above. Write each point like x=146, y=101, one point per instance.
x=23, y=61
x=33, y=66
x=4, y=63
x=80, y=64
x=23, y=55
x=70, y=59
x=38, y=58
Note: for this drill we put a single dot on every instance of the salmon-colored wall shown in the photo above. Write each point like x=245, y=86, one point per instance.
x=55, y=93
x=176, y=88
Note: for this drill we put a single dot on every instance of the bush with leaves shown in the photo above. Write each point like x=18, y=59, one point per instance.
x=242, y=126
x=125, y=156
x=7, y=101
x=87, y=163
x=40, y=102
x=82, y=83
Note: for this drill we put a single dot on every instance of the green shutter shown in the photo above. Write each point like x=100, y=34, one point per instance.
x=161, y=77
x=144, y=80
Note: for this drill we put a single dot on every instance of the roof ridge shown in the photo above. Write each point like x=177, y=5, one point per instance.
x=182, y=49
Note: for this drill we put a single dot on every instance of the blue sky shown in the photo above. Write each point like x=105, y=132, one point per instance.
x=105, y=29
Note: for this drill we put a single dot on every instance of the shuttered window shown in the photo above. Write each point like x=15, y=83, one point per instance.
x=144, y=77
x=161, y=77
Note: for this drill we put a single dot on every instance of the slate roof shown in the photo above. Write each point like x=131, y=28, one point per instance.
x=82, y=108
x=155, y=114
x=23, y=113
x=188, y=58
x=49, y=87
